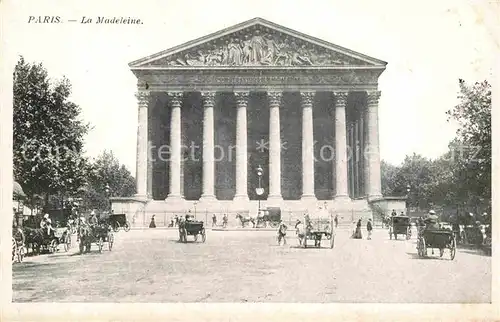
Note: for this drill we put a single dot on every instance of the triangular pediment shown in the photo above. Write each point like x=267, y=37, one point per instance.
x=256, y=42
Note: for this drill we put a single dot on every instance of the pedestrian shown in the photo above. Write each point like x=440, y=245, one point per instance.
x=282, y=232
x=369, y=228
x=358, y=234
x=336, y=220
x=152, y=224
x=393, y=213
x=214, y=220
x=224, y=221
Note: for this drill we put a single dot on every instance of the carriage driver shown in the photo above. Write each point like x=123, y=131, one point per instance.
x=46, y=224
x=431, y=222
x=93, y=219
x=282, y=231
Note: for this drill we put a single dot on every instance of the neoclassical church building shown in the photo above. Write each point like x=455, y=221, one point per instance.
x=256, y=115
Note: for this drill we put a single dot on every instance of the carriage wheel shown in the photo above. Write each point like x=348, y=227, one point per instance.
x=273, y=224
x=408, y=234
x=304, y=241
x=116, y=226
x=441, y=252
x=453, y=248
x=82, y=246
x=67, y=242
x=14, y=250
x=111, y=239
x=126, y=226
x=195, y=238
x=100, y=243
x=203, y=235
x=53, y=246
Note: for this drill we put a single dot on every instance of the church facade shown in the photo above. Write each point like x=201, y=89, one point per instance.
x=256, y=115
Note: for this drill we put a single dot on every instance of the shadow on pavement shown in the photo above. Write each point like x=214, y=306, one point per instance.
x=434, y=257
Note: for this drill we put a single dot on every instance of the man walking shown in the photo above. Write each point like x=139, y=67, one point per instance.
x=336, y=220
x=369, y=228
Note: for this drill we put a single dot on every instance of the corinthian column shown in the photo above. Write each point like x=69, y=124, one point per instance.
x=208, y=99
x=274, y=146
x=241, y=147
x=340, y=146
x=175, y=145
x=307, y=146
x=141, y=176
x=372, y=151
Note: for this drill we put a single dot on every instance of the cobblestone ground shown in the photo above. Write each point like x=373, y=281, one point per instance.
x=231, y=266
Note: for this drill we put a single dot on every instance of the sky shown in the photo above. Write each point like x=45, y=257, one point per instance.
x=428, y=45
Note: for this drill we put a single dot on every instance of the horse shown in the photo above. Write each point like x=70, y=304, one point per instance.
x=300, y=230
x=245, y=220
x=85, y=236
x=35, y=238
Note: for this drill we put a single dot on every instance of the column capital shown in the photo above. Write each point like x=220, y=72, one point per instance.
x=373, y=97
x=175, y=98
x=142, y=98
x=274, y=98
x=307, y=97
x=341, y=98
x=241, y=98
x=208, y=99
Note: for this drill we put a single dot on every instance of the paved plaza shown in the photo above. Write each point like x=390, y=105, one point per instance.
x=248, y=266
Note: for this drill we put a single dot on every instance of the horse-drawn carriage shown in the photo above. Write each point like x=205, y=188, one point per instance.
x=436, y=238
x=400, y=225
x=315, y=229
x=117, y=221
x=48, y=240
x=97, y=234
x=191, y=227
x=270, y=216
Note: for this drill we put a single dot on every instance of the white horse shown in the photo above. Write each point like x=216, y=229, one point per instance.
x=300, y=230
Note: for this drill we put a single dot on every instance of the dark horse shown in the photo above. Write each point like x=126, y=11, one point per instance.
x=86, y=237
x=35, y=238
x=245, y=220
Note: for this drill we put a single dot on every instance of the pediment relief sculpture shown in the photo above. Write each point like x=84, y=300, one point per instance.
x=259, y=48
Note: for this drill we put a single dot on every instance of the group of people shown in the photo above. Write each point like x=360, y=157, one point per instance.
x=356, y=231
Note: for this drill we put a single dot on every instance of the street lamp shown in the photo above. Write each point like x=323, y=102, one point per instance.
x=259, y=191
x=408, y=189
x=107, y=189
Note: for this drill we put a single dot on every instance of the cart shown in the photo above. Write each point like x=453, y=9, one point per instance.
x=400, y=225
x=271, y=217
x=441, y=239
x=98, y=235
x=119, y=220
x=315, y=229
x=192, y=228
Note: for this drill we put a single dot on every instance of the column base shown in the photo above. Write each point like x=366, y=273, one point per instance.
x=174, y=197
x=207, y=198
x=375, y=197
x=274, y=198
x=241, y=198
x=308, y=197
x=342, y=198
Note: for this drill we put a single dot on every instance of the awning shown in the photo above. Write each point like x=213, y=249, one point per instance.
x=17, y=191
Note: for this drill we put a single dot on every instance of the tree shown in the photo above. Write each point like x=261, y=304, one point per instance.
x=106, y=171
x=48, y=134
x=472, y=146
x=389, y=175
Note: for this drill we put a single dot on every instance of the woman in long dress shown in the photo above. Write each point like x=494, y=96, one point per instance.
x=358, y=234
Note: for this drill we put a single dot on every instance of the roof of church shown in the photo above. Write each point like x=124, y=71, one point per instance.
x=280, y=45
